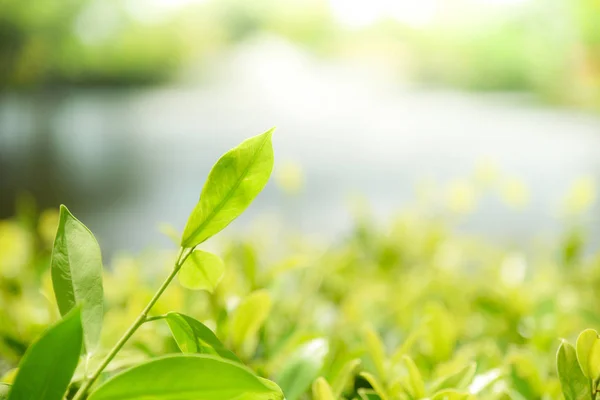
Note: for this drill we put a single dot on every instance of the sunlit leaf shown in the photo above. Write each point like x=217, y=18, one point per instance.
x=345, y=377
x=187, y=377
x=458, y=380
x=4, y=389
x=234, y=181
x=248, y=317
x=302, y=368
x=415, y=379
x=573, y=383
x=588, y=353
x=376, y=385
x=321, y=390
x=193, y=336
x=376, y=351
x=49, y=364
x=201, y=271
x=77, y=275
x=450, y=394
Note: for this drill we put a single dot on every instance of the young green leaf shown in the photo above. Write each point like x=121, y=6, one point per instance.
x=187, y=377
x=193, y=336
x=417, y=386
x=302, y=367
x=588, y=353
x=345, y=377
x=233, y=183
x=368, y=394
x=201, y=271
x=451, y=394
x=48, y=365
x=76, y=265
x=376, y=351
x=248, y=317
x=458, y=380
x=376, y=385
x=321, y=390
x=574, y=384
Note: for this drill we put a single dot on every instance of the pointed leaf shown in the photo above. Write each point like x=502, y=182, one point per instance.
x=588, y=353
x=414, y=377
x=192, y=336
x=77, y=275
x=49, y=364
x=345, y=377
x=321, y=390
x=451, y=394
x=376, y=385
x=187, y=377
x=572, y=381
x=376, y=351
x=458, y=380
x=233, y=183
x=201, y=271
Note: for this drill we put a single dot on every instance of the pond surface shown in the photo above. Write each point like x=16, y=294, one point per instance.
x=126, y=161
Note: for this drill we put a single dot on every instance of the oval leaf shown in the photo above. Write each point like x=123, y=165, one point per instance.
x=302, y=368
x=187, y=377
x=572, y=381
x=49, y=364
x=234, y=181
x=77, y=275
x=248, y=318
x=201, y=271
x=192, y=336
x=588, y=353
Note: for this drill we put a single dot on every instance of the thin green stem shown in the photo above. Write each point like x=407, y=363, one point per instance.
x=141, y=318
x=155, y=318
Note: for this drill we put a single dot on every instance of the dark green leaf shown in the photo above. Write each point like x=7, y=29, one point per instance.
x=48, y=365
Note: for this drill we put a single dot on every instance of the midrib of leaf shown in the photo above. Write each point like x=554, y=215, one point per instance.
x=231, y=191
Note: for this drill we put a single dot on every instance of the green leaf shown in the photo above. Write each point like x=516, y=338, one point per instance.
x=458, y=380
x=376, y=385
x=77, y=275
x=192, y=336
x=233, y=183
x=588, y=353
x=450, y=394
x=201, y=271
x=187, y=377
x=4, y=390
x=302, y=368
x=321, y=390
x=415, y=379
x=376, y=351
x=345, y=376
x=247, y=319
x=368, y=394
x=574, y=384
x=49, y=364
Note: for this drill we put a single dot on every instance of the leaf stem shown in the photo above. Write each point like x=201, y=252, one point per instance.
x=141, y=318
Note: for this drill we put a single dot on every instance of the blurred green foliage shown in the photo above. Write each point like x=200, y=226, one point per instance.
x=551, y=49
x=408, y=310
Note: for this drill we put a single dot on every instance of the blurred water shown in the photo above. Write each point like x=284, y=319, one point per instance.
x=124, y=161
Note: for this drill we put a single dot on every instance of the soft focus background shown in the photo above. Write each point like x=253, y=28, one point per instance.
x=436, y=177
x=118, y=108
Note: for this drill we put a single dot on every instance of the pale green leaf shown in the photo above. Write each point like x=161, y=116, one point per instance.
x=4, y=389
x=76, y=265
x=376, y=385
x=376, y=351
x=588, y=353
x=414, y=377
x=345, y=377
x=193, y=336
x=451, y=394
x=187, y=377
x=368, y=394
x=574, y=384
x=233, y=183
x=248, y=318
x=201, y=271
x=458, y=380
x=301, y=368
x=321, y=390
x=49, y=364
